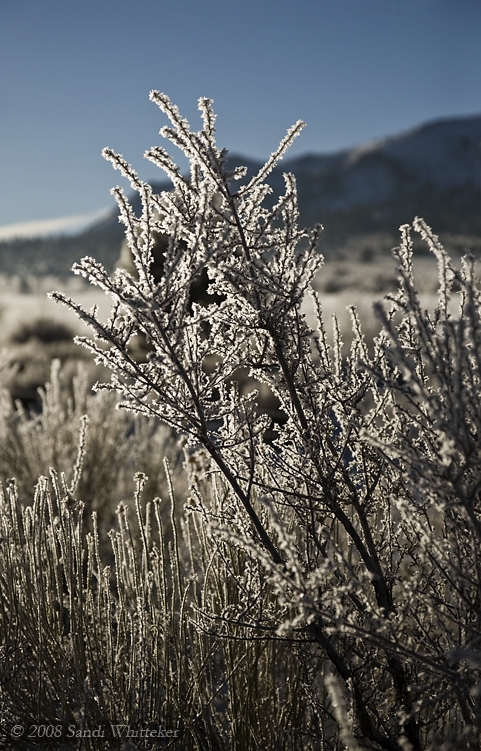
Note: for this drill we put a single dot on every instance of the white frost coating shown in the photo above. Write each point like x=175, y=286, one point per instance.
x=360, y=517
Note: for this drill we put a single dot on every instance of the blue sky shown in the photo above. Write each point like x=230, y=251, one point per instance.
x=76, y=77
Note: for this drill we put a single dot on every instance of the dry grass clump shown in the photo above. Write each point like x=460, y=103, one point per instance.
x=87, y=645
x=117, y=444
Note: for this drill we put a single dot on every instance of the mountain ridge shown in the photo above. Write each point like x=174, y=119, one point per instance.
x=433, y=171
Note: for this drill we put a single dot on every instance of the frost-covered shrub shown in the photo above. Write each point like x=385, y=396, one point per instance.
x=85, y=645
x=117, y=444
x=359, y=524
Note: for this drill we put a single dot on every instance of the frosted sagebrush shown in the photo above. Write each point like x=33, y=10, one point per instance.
x=251, y=260
x=95, y=632
x=118, y=444
x=361, y=520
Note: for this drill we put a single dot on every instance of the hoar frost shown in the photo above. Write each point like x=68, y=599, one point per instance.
x=360, y=518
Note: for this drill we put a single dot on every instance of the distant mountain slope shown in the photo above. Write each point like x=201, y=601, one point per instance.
x=433, y=171
x=54, y=256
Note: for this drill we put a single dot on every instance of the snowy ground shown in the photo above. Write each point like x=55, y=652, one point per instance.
x=359, y=275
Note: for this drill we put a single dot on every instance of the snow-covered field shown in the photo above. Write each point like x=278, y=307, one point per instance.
x=17, y=308
x=342, y=281
x=360, y=274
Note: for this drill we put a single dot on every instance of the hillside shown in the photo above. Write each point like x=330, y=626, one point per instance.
x=433, y=171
